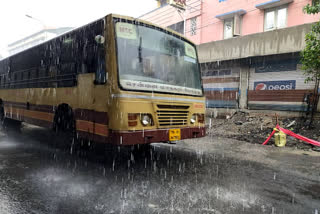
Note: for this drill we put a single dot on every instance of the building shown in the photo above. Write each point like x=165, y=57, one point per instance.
x=35, y=39
x=212, y=20
x=249, y=50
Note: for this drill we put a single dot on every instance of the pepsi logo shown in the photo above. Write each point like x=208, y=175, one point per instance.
x=275, y=85
x=261, y=86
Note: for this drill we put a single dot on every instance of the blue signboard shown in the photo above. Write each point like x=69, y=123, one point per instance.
x=275, y=85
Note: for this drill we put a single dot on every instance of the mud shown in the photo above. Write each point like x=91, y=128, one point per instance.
x=256, y=129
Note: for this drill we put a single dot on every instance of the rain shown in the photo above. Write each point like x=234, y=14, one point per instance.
x=147, y=115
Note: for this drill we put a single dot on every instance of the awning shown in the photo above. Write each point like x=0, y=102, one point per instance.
x=272, y=3
x=231, y=14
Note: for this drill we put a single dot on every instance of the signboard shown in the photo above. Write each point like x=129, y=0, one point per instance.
x=275, y=85
x=149, y=86
x=190, y=50
x=126, y=30
x=180, y=4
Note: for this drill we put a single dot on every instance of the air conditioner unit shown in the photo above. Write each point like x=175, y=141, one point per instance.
x=180, y=4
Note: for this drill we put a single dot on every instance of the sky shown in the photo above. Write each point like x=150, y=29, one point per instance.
x=15, y=25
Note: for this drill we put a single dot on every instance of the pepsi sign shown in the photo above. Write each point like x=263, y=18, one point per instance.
x=275, y=85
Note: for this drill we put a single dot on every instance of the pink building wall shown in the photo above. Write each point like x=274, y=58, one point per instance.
x=210, y=28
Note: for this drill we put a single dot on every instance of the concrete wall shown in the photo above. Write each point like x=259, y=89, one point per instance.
x=287, y=40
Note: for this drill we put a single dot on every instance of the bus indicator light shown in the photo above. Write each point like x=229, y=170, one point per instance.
x=201, y=118
x=132, y=123
x=132, y=116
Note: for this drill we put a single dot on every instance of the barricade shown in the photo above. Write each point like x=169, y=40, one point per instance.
x=288, y=132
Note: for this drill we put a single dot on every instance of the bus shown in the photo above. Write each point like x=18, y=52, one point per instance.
x=117, y=80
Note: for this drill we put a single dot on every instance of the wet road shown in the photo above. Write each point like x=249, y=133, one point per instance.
x=210, y=175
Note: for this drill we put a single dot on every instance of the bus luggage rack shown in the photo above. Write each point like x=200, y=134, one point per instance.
x=172, y=115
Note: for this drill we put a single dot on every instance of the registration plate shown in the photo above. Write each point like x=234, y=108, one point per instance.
x=174, y=134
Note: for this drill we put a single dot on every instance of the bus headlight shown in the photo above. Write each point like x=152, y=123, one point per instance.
x=193, y=119
x=146, y=119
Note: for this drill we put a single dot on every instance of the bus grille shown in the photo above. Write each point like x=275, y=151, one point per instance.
x=172, y=115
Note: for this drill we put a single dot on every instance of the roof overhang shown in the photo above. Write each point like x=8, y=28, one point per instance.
x=272, y=3
x=231, y=14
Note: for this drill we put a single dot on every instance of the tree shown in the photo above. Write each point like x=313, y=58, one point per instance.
x=310, y=56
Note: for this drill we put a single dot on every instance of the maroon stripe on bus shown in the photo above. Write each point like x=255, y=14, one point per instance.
x=80, y=114
x=91, y=115
x=33, y=107
x=140, y=137
x=93, y=137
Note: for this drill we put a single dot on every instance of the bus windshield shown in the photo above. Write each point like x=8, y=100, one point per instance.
x=152, y=60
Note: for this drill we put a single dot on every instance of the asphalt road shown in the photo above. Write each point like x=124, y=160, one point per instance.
x=39, y=174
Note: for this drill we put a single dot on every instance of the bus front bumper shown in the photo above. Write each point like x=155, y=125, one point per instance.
x=152, y=136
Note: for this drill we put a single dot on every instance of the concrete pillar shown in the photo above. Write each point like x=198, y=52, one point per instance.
x=243, y=86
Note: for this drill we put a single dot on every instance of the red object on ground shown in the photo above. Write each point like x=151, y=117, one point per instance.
x=267, y=140
x=288, y=132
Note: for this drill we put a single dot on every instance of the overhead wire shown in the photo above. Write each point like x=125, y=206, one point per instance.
x=169, y=10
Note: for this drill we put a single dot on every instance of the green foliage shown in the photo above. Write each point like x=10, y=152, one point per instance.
x=310, y=56
x=313, y=8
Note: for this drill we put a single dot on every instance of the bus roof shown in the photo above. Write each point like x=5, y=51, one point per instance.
x=114, y=16
x=150, y=23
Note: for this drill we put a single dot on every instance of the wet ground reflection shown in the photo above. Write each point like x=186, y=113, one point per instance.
x=38, y=174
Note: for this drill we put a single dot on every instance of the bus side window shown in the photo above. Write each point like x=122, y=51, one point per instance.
x=100, y=72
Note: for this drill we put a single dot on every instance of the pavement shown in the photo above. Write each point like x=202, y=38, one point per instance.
x=39, y=173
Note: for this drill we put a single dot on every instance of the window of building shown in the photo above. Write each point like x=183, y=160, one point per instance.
x=228, y=28
x=315, y=2
x=232, y=27
x=193, y=26
x=178, y=27
x=224, y=72
x=275, y=18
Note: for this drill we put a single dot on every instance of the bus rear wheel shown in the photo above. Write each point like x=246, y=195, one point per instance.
x=7, y=123
x=64, y=119
x=1, y=113
x=64, y=124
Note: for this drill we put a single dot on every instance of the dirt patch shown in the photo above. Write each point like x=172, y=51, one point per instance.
x=255, y=129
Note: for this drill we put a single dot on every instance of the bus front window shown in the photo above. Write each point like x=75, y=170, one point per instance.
x=152, y=60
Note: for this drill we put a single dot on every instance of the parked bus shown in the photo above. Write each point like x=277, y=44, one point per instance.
x=117, y=80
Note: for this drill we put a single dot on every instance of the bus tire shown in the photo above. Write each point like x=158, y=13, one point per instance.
x=2, y=116
x=63, y=119
x=64, y=125
x=7, y=123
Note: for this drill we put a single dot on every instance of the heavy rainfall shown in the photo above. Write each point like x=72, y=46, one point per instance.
x=180, y=106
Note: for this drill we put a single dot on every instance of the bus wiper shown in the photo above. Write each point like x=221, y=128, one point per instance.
x=140, y=50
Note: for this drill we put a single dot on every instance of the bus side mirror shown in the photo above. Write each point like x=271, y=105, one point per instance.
x=99, y=39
